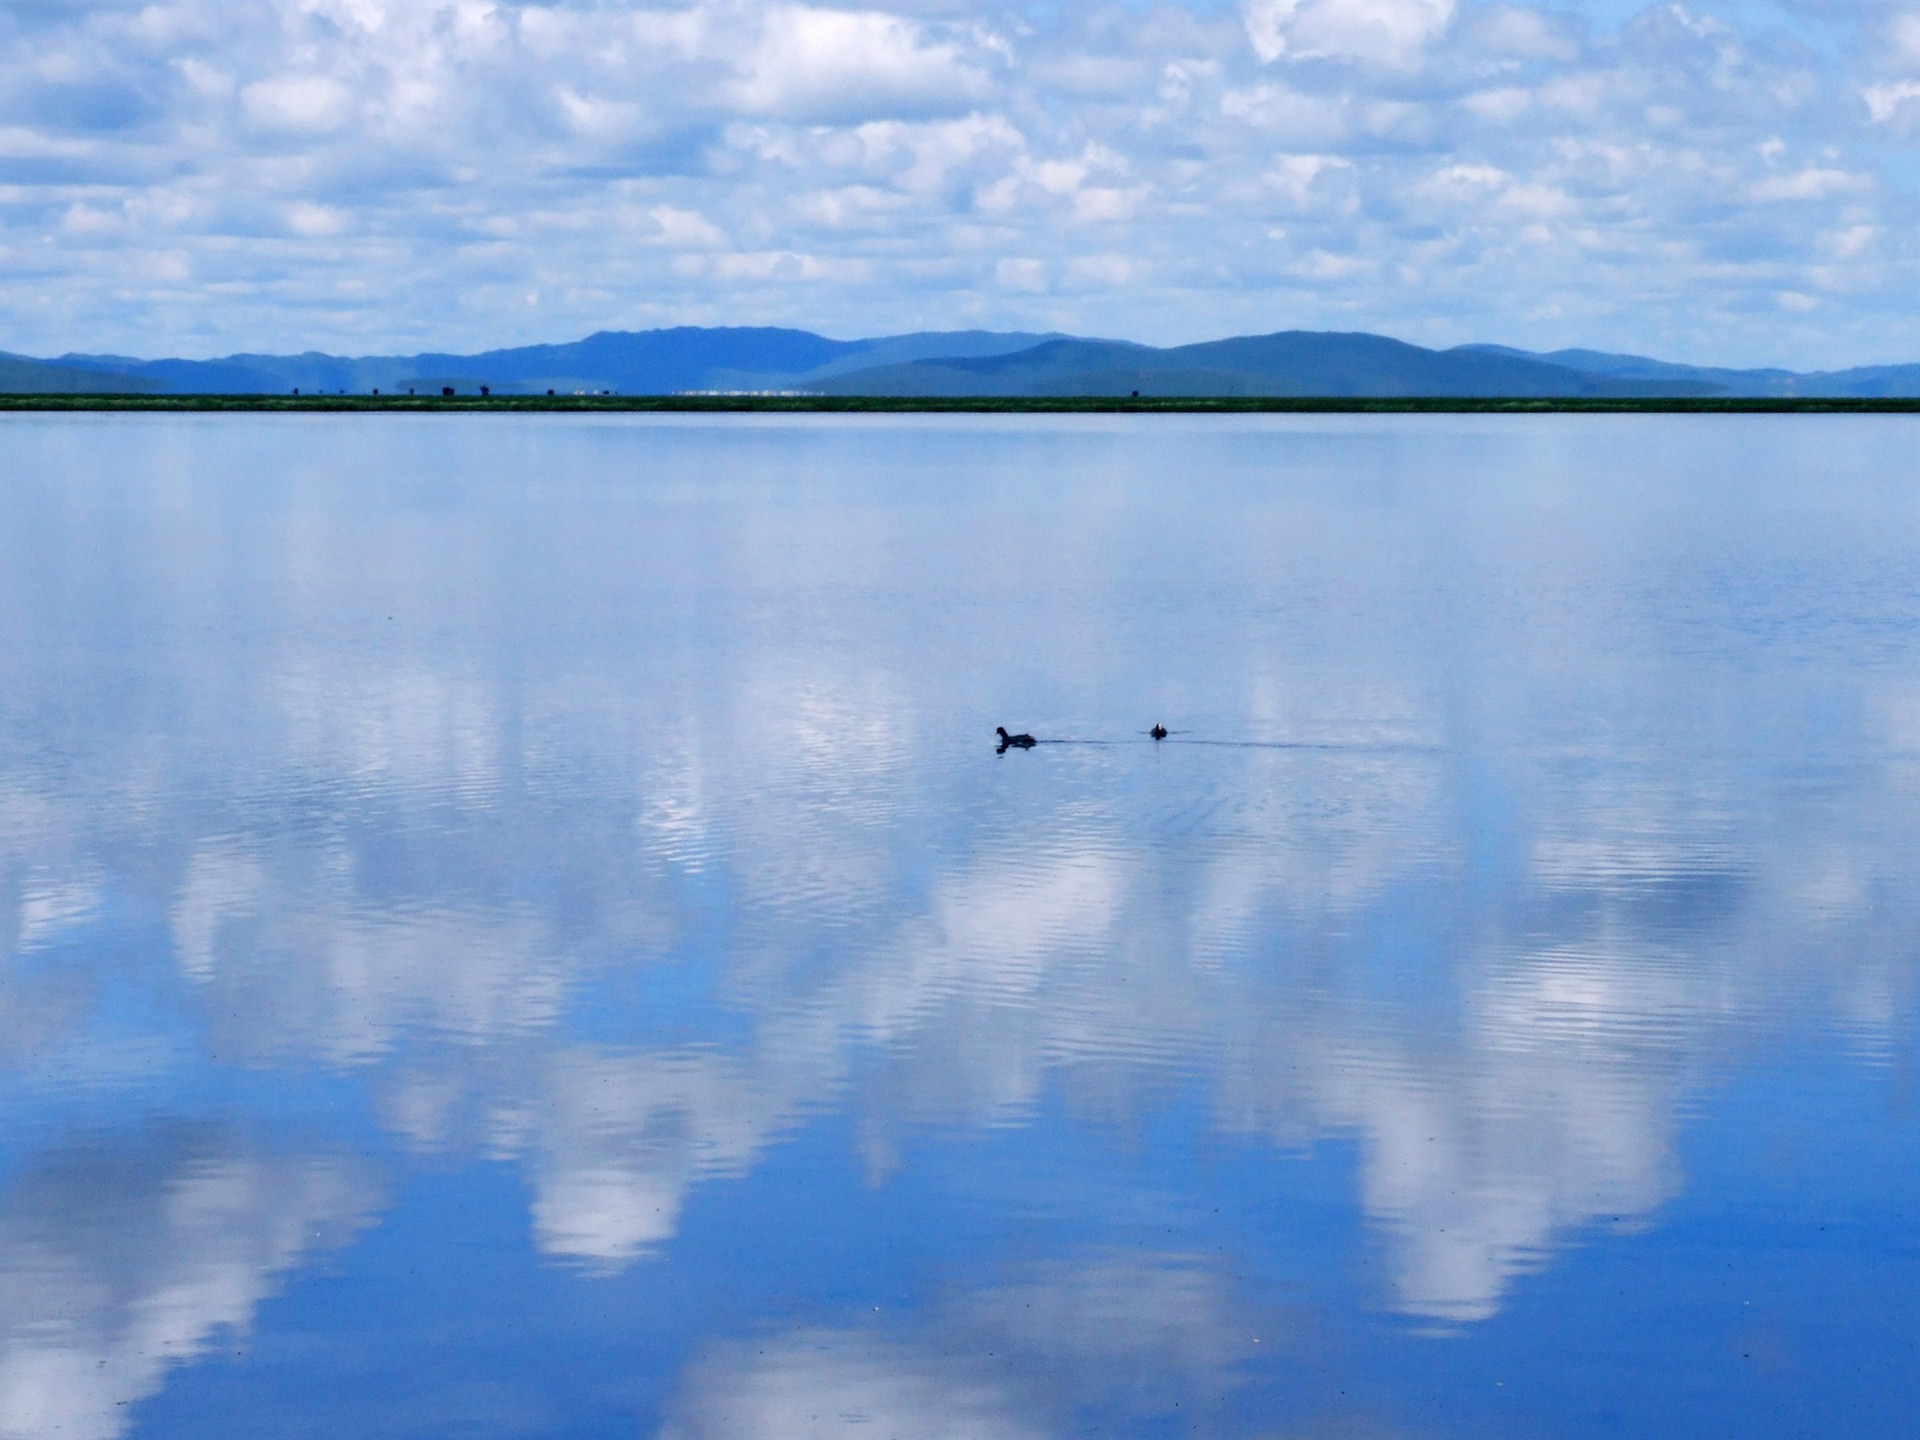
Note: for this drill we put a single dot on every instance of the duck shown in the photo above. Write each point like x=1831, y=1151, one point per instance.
x=1017, y=742
x=1159, y=731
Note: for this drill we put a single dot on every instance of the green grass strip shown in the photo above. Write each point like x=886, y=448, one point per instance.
x=981, y=405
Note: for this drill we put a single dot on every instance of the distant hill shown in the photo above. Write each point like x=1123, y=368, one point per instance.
x=958, y=364
x=646, y=362
x=21, y=376
x=1862, y=382
x=1866, y=381
x=1294, y=362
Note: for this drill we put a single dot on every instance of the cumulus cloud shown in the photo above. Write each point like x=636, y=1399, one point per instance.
x=811, y=64
x=1384, y=32
x=398, y=174
x=686, y=229
x=314, y=104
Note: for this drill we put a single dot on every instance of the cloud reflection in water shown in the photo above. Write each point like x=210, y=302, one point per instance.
x=127, y=1255
x=626, y=870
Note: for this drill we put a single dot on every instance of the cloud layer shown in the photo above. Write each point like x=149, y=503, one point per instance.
x=1710, y=182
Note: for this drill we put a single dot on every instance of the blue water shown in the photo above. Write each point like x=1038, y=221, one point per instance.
x=517, y=926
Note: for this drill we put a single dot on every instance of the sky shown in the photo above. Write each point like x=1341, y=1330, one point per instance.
x=1715, y=183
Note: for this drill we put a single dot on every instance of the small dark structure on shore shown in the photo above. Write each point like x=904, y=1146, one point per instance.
x=446, y=392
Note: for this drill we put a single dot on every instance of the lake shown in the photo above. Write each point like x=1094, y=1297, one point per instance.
x=519, y=926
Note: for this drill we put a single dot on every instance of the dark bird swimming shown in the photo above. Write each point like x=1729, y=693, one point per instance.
x=1013, y=742
x=1159, y=732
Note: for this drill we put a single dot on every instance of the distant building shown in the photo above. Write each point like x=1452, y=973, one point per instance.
x=446, y=390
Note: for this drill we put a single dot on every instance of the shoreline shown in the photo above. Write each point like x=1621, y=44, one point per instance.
x=987, y=405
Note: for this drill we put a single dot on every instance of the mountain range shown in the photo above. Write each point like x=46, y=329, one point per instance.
x=955, y=363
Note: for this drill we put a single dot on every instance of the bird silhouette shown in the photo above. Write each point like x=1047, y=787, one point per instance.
x=1159, y=732
x=1013, y=742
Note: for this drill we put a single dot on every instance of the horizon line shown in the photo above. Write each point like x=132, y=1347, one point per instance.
x=1041, y=337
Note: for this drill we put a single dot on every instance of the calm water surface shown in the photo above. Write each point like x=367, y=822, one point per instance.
x=517, y=927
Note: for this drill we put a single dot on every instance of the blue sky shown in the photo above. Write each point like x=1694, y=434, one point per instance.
x=1730, y=183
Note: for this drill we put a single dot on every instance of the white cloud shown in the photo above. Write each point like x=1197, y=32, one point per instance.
x=686, y=229
x=209, y=80
x=598, y=117
x=1108, y=202
x=1520, y=32
x=311, y=104
x=1812, y=183
x=848, y=205
x=1903, y=33
x=1021, y=273
x=1886, y=100
x=304, y=218
x=785, y=265
x=1502, y=106
x=814, y=63
x=1103, y=271
x=1393, y=33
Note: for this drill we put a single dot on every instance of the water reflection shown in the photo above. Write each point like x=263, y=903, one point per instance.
x=127, y=1254
x=1038, y=1355
x=619, y=803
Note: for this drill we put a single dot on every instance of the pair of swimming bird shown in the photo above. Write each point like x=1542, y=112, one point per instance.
x=1024, y=741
